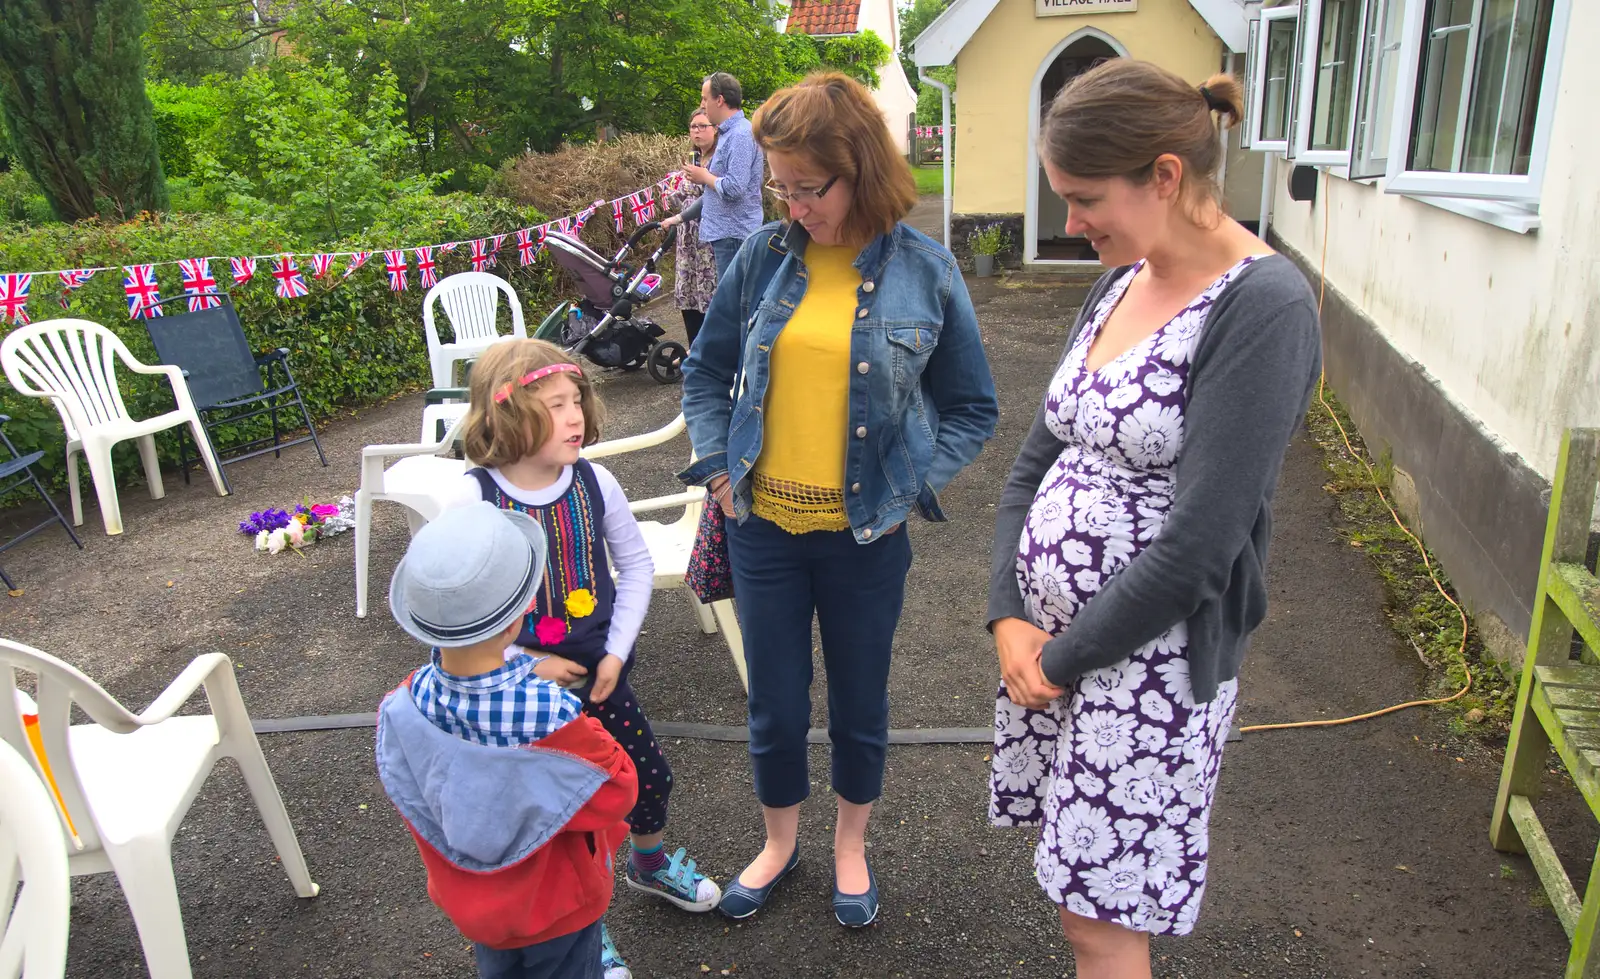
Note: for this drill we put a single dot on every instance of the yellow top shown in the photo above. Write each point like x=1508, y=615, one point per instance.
x=799, y=478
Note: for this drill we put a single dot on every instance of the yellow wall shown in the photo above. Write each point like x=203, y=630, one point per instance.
x=995, y=73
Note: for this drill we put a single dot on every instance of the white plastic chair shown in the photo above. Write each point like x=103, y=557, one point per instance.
x=33, y=852
x=671, y=543
x=420, y=479
x=73, y=363
x=128, y=779
x=471, y=302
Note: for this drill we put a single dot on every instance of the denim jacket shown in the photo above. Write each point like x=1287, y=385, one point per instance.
x=922, y=401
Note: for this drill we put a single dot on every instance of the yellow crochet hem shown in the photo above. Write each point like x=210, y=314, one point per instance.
x=798, y=508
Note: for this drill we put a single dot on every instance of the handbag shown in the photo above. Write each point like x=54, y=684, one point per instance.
x=710, y=576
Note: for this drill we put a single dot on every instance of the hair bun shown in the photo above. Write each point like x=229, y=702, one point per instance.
x=1225, y=97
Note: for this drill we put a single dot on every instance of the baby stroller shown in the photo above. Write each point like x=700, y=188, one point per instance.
x=601, y=325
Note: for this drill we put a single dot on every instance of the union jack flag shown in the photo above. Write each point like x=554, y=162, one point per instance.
x=71, y=280
x=494, y=248
x=584, y=215
x=142, y=290
x=291, y=282
x=321, y=264
x=394, y=262
x=244, y=269
x=616, y=214
x=199, y=283
x=564, y=225
x=481, y=259
x=14, y=297
x=357, y=259
x=525, y=246
x=426, y=266
x=449, y=247
x=644, y=206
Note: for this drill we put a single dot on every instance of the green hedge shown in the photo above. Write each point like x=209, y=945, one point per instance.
x=352, y=341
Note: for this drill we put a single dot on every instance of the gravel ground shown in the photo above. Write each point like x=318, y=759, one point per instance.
x=1348, y=851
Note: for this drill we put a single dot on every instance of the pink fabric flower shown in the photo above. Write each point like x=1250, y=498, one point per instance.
x=325, y=510
x=550, y=631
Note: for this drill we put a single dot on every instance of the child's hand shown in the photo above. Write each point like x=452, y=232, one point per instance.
x=606, y=676
x=560, y=670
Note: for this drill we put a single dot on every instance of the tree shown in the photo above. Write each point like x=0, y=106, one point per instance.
x=72, y=96
x=914, y=19
x=187, y=40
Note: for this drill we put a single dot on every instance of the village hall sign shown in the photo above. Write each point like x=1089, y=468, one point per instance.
x=1062, y=8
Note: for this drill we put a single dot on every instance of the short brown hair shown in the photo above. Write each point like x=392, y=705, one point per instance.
x=830, y=120
x=1117, y=118
x=501, y=432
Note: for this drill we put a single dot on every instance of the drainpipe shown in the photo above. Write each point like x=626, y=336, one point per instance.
x=944, y=101
x=1269, y=167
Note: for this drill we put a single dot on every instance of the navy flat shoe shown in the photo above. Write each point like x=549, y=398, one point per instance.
x=857, y=910
x=740, y=902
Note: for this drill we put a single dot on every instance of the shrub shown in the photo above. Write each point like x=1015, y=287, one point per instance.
x=21, y=199
x=186, y=116
x=352, y=341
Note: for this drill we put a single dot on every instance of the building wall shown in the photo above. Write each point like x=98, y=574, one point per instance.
x=997, y=67
x=894, y=94
x=1468, y=349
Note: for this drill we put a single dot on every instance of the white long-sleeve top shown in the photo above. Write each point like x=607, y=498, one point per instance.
x=625, y=545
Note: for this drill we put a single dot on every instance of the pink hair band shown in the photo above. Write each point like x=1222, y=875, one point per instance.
x=532, y=376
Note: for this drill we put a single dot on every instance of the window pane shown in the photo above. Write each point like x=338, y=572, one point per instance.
x=1275, y=97
x=1382, y=58
x=1505, y=87
x=1441, y=84
x=1336, y=64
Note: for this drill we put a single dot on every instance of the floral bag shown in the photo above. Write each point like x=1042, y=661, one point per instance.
x=710, y=576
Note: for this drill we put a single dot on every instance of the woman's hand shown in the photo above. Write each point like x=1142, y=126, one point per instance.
x=722, y=491
x=1020, y=646
x=606, y=676
x=672, y=222
x=560, y=670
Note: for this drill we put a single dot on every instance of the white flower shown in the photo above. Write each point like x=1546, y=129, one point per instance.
x=1175, y=344
x=1076, y=552
x=1010, y=720
x=1175, y=675
x=1190, y=784
x=1127, y=394
x=1151, y=520
x=1154, y=706
x=1017, y=767
x=1062, y=409
x=1165, y=849
x=1089, y=784
x=1053, y=876
x=1113, y=684
x=1095, y=424
x=1151, y=434
x=1104, y=518
x=1085, y=834
x=1187, y=914
x=1116, y=553
x=1125, y=366
x=1151, y=738
x=1049, y=519
x=1022, y=807
x=1145, y=787
x=1163, y=382
x=295, y=533
x=1150, y=917
x=262, y=537
x=1131, y=831
x=1199, y=836
x=1118, y=884
x=1177, y=815
x=1079, y=905
x=1105, y=738
x=1088, y=581
x=276, y=541
x=1052, y=582
x=1176, y=892
x=1044, y=725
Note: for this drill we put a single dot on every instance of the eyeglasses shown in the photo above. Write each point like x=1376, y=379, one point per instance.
x=701, y=125
x=803, y=196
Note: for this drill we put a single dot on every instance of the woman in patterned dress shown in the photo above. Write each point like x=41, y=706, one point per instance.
x=695, y=271
x=1133, y=529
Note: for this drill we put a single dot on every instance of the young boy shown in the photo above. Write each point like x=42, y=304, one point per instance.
x=515, y=797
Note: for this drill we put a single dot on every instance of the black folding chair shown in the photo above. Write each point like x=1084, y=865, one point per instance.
x=14, y=471
x=228, y=382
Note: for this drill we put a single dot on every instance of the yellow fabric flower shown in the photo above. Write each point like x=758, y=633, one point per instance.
x=580, y=603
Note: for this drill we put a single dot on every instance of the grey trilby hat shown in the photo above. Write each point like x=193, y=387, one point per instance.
x=468, y=575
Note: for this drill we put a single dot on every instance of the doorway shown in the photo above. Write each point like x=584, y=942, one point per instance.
x=1045, y=221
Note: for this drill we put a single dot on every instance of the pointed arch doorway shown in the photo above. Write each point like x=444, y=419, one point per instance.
x=1045, y=240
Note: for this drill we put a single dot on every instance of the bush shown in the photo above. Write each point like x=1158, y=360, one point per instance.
x=21, y=199
x=351, y=341
x=186, y=116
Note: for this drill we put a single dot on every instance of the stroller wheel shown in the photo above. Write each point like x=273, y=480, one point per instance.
x=666, y=361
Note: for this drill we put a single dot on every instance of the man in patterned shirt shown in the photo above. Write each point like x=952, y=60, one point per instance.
x=515, y=797
x=730, y=209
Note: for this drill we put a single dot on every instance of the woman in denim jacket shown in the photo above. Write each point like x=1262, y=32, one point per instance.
x=859, y=389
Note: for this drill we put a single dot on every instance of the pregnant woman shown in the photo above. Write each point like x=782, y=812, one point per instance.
x=1132, y=533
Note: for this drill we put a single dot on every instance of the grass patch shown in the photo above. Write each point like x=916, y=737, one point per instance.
x=930, y=179
x=1419, y=615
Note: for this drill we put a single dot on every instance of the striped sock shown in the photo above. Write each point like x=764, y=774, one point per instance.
x=649, y=861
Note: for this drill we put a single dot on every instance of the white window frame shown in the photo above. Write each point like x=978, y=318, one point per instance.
x=1258, y=88
x=1248, y=123
x=1380, y=54
x=1309, y=66
x=1479, y=186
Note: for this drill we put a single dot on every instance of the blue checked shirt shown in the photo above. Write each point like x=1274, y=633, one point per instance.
x=504, y=708
x=732, y=208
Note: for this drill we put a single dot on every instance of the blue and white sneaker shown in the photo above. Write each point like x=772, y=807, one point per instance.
x=677, y=881
x=611, y=959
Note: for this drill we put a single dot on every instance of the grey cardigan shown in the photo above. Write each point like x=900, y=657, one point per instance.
x=1254, y=371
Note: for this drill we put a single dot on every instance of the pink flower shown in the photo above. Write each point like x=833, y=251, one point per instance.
x=295, y=532
x=550, y=631
x=325, y=510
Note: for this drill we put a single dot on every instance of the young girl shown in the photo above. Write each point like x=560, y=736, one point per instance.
x=533, y=411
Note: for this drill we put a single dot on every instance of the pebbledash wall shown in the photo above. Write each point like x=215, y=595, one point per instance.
x=1466, y=349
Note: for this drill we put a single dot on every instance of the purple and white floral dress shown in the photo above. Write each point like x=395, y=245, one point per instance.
x=1121, y=771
